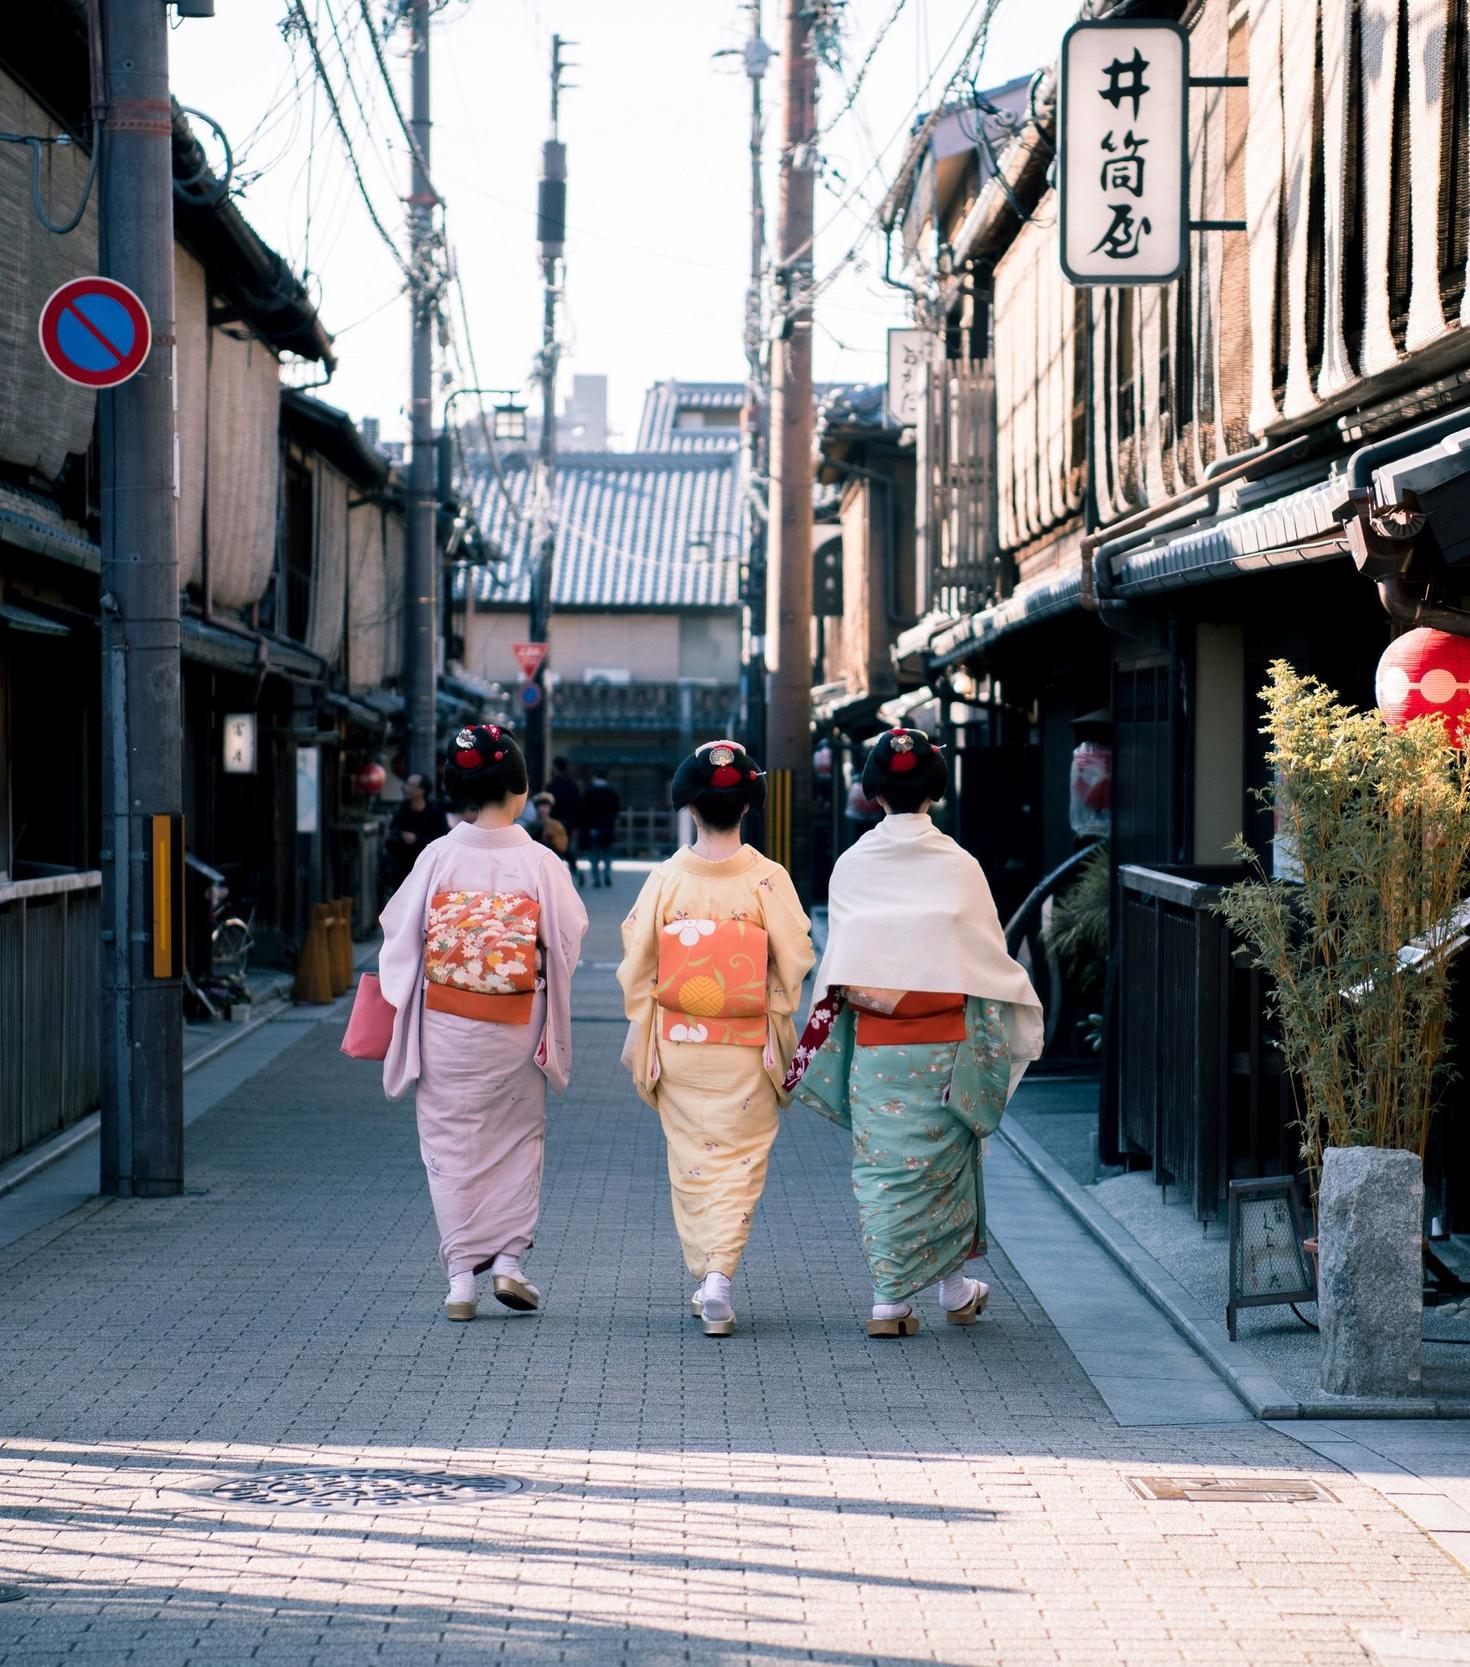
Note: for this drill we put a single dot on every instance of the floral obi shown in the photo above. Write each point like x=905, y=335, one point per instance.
x=900, y=1018
x=480, y=955
x=712, y=982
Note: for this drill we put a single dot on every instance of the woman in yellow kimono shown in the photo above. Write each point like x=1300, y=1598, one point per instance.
x=714, y=954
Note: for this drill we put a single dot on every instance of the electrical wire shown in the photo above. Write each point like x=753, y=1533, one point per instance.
x=36, y=144
x=403, y=121
x=855, y=86
x=300, y=9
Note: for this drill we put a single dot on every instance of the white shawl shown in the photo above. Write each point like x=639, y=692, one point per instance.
x=909, y=909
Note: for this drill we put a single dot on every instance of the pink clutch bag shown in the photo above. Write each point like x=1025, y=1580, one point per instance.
x=370, y=1028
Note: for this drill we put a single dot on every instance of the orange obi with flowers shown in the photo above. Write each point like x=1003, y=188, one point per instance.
x=712, y=982
x=480, y=955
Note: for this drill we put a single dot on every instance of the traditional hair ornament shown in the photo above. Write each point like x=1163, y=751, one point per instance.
x=902, y=741
x=465, y=738
x=903, y=758
x=468, y=758
x=721, y=756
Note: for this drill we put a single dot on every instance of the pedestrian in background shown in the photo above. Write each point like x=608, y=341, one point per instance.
x=417, y=822
x=600, y=808
x=479, y=946
x=921, y=1027
x=545, y=828
x=566, y=807
x=714, y=954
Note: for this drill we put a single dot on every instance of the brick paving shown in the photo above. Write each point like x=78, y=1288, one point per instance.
x=795, y=1494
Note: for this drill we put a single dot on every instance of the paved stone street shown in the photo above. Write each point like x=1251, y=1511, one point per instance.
x=794, y=1494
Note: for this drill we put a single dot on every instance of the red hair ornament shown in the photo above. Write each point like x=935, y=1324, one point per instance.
x=902, y=758
x=468, y=759
x=725, y=776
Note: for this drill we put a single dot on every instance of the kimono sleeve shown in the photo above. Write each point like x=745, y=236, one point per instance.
x=638, y=976
x=789, y=940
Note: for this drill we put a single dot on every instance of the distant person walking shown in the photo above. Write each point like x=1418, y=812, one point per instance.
x=921, y=1026
x=566, y=807
x=544, y=827
x=417, y=822
x=600, y=808
x=479, y=946
x=714, y=954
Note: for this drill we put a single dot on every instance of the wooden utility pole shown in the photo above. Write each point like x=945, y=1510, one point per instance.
x=753, y=591
x=421, y=613
x=142, y=793
x=789, y=586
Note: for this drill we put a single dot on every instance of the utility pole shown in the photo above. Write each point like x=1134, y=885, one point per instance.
x=551, y=222
x=421, y=614
x=789, y=589
x=757, y=55
x=142, y=810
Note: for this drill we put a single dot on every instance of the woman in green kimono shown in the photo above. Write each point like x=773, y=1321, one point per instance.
x=921, y=1028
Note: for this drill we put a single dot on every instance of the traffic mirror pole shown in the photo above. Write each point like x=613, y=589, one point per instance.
x=142, y=822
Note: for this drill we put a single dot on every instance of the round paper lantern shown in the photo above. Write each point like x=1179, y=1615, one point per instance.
x=1425, y=673
x=369, y=780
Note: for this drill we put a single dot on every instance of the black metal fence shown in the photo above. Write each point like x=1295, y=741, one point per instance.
x=1202, y=1088
x=50, y=972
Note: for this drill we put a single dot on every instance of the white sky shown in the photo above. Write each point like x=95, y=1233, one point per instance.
x=656, y=131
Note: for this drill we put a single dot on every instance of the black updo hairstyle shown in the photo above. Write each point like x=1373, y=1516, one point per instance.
x=483, y=767
x=904, y=768
x=721, y=781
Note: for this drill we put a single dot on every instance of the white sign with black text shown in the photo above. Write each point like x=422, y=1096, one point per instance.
x=1123, y=158
x=909, y=351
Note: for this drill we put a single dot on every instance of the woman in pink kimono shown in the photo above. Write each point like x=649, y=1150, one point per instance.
x=479, y=945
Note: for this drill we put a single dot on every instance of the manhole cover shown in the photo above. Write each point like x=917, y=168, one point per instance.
x=376, y=1490
x=12, y=1594
x=1236, y=1490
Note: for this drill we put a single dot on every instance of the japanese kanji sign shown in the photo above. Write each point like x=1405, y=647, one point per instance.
x=1124, y=152
x=909, y=353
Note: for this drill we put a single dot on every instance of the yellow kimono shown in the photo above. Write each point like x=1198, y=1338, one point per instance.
x=714, y=954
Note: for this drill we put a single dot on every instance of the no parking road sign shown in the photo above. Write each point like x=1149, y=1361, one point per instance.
x=95, y=332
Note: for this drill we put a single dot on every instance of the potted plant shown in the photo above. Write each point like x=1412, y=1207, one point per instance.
x=1355, y=930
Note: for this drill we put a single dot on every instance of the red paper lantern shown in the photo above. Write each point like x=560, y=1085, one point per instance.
x=1425, y=673
x=369, y=779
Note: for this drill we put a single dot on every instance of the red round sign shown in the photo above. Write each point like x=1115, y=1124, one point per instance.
x=95, y=332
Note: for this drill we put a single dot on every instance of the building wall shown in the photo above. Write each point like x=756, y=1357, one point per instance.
x=648, y=647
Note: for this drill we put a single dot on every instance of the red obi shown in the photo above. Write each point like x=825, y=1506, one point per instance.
x=480, y=955
x=918, y=1016
x=712, y=982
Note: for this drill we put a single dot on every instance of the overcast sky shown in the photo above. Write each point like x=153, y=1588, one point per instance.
x=656, y=131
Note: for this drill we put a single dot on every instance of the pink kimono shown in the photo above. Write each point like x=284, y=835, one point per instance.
x=479, y=946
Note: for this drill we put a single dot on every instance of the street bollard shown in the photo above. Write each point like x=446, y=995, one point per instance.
x=314, y=970
x=341, y=944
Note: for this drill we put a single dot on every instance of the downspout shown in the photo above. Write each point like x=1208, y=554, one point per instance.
x=1401, y=600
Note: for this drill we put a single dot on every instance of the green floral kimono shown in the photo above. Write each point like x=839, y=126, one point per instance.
x=919, y=1115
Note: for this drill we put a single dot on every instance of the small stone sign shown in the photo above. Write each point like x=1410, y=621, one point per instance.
x=1237, y=1490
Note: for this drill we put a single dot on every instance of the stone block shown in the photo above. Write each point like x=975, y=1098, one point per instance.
x=1370, y=1212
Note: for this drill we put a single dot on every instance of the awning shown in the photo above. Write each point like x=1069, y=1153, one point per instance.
x=211, y=645
x=31, y=524
x=13, y=618
x=1301, y=527
x=901, y=708
x=359, y=712
x=1043, y=598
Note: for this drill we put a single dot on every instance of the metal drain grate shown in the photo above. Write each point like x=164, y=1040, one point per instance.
x=12, y=1594
x=376, y=1490
x=1233, y=1490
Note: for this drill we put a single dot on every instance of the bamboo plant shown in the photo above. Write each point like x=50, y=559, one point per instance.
x=1358, y=943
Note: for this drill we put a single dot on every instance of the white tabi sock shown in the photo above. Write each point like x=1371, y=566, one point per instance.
x=461, y=1287
x=956, y=1290
x=507, y=1262
x=888, y=1310
x=715, y=1294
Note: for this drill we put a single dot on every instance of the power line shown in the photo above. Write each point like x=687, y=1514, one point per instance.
x=321, y=69
x=403, y=121
x=855, y=86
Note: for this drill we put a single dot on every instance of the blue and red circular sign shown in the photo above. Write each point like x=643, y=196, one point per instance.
x=530, y=694
x=95, y=332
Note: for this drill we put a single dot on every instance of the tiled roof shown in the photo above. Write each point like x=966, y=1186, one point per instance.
x=626, y=524
x=662, y=404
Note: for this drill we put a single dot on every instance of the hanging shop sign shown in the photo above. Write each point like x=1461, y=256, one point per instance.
x=95, y=332
x=1123, y=162
x=909, y=353
x=240, y=734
